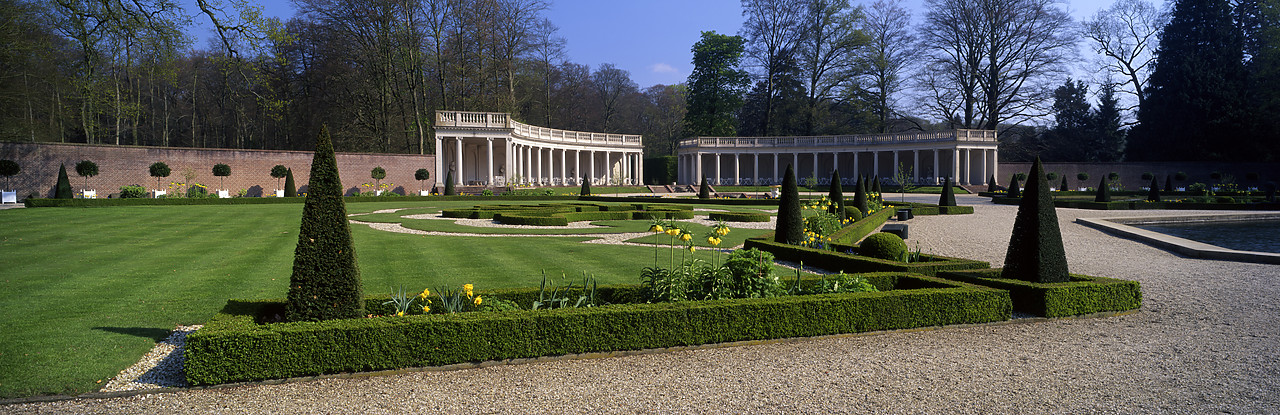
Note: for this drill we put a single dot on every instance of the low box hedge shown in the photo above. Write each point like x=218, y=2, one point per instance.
x=925, y=209
x=692, y=201
x=234, y=346
x=839, y=260
x=178, y=201
x=862, y=227
x=739, y=216
x=1083, y=295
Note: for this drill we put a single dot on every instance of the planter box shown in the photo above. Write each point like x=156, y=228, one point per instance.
x=279, y=193
x=90, y=194
x=1083, y=295
x=157, y=193
x=223, y=194
x=424, y=193
x=9, y=196
x=235, y=346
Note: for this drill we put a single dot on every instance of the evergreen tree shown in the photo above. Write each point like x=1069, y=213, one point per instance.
x=1064, y=187
x=448, y=184
x=860, y=196
x=790, y=227
x=1068, y=139
x=586, y=186
x=326, y=281
x=63, y=189
x=1168, y=183
x=991, y=184
x=948, y=197
x=1014, y=190
x=1103, y=194
x=1195, y=101
x=1035, y=250
x=836, y=194
x=1153, y=195
x=1107, y=129
x=704, y=189
x=715, y=86
x=875, y=188
x=290, y=187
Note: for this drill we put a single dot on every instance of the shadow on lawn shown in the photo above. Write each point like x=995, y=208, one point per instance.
x=146, y=332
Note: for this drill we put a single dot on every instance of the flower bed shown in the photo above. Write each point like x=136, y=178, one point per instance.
x=236, y=346
x=1083, y=295
x=839, y=260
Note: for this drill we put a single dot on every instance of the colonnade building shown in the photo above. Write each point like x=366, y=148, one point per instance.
x=970, y=156
x=491, y=149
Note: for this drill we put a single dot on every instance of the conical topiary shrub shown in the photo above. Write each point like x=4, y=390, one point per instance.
x=790, y=228
x=991, y=184
x=704, y=190
x=1153, y=195
x=1035, y=249
x=290, y=188
x=448, y=184
x=875, y=187
x=1168, y=183
x=1104, y=192
x=836, y=194
x=948, y=194
x=860, y=196
x=326, y=281
x=1063, y=186
x=1271, y=192
x=63, y=189
x=586, y=186
x=1015, y=190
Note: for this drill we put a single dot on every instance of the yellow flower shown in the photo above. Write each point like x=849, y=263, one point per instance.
x=686, y=237
x=715, y=241
x=426, y=310
x=673, y=231
x=478, y=301
x=690, y=248
x=655, y=228
x=425, y=293
x=399, y=314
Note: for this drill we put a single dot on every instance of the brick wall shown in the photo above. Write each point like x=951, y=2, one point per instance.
x=1131, y=172
x=250, y=169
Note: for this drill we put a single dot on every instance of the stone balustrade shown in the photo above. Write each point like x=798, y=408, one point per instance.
x=963, y=136
x=532, y=132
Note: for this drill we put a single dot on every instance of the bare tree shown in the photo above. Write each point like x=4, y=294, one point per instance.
x=890, y=51
x=1126, y=35
x=998, y=57
x=611, y=84
x=773, y=29
x=827, y=52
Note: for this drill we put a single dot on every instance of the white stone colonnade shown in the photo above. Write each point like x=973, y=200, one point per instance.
x=490, y=149
x=969, y=156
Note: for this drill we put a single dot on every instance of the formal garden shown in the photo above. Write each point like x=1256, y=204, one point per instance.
x=1174, y=192
x=544, y=276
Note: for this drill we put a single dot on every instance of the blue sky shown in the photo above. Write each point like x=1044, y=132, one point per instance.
x=650, y=39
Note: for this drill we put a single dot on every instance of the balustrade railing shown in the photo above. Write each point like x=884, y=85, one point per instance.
x=503, y=120
x=842, y=140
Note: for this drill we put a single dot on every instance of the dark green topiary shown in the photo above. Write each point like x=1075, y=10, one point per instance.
x=290, y=188
x=1104, y=192
x=159, y=170
x=1014, y=188
x=9, y=168
x=875, y=187
x=704, y=190
x=836, y=194
x=1168, y=183
x=991, y=184
x=790, y=228
x=860, y=196
x=1153, y=195
x=86, y=169
x=326, y=281
x=278, y=172
x=948, y=194
x=221, y=170
x=448, y=184
x=63, y=189
x=1063, y=186
x=586, y=186
x=1035, y=249
x=883, y=245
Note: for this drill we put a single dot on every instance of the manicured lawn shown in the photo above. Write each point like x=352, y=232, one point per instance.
x=87, y=291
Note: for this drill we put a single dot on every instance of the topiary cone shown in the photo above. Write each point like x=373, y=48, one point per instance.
x=63, y=189
x=860, y=196
x=704, y=190
x=1014, y=189
x=586, y=186
x=790, y=228
x=1168, y=183
x=290, y=188
x=1153, y=195
x=875, y=187
x=326, y=281
x=948, y=194
x=448, y=184
x=1063, y=186
x=836, y=194
x=1104, y=192
x=991, y=184
x=1035, y=249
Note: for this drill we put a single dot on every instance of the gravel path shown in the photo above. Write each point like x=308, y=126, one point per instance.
x=1205, y=341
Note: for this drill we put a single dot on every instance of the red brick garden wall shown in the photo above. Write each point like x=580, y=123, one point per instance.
x=250, y=169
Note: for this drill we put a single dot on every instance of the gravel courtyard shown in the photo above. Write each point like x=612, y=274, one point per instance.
x=1207, y=340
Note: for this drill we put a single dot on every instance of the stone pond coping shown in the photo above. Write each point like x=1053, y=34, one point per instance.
x=1187, y=247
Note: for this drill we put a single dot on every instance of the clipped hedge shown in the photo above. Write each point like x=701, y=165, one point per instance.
x=862, y=227
x=1083, y=295
x=234, y=347
x=692, y=201
x=740, y=216
x=925, y=209
x=177, y=201
x=839, y=260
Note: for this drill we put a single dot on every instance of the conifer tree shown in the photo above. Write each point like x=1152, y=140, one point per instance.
x=704, y=190
x=1035, y=250
x=875, y=187
x=991, y=184
x=1014, y=190
x=1063, y=186
x=290, y=187
x=1153, y=195
x=836, y=194
x=448, y=184
x=1168, y=183
x=1104, y=192
x=948, y=194
x=860, y=196
x=586, y=186
x=63, y=189
x=790, y=228
x=326, y=281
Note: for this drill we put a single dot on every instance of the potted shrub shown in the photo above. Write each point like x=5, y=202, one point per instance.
x=9, y=168
x=421, y=176
x=279, y=172
x=1082, y=176
x=377, y=174
x=159, y=170
x=87, y=169
x=221, y=170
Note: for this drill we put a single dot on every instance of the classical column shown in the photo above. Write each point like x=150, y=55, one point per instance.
x=755, y=178
x=697, y=169
x=856, y=173
x=777, y=177
x=457, y=177
x=537, y=165
x=715, y=177
x=955, y=165
x=875, y=163
x=591, y=158
x=639, y=167
x=815, y=166
x=995, y=164
x=915, y=166
x=489, y=141
x=935, y=166
x=895, y=164
x=564, y=155
x=982, y=179
x=835, y=162
x=439, y=160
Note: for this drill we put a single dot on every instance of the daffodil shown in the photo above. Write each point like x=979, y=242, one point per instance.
x=468, y=289
x=426, y=310
x=399, y=314
x=478, y=301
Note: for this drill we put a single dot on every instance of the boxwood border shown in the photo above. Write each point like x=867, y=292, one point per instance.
x=849, y=263
x=234, y=347
x=1083, y=295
